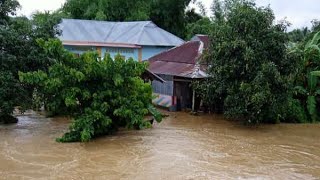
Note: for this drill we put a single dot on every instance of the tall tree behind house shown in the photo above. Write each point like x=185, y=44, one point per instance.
x=167, y=14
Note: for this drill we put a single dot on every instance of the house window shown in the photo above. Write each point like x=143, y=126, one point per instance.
x=120, y=50
x=82, y=48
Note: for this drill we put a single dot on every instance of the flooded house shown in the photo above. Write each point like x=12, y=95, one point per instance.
x=139, y=40
x=179, y=66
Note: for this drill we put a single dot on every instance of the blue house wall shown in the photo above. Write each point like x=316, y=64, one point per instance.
x=126, y=52
x=138, y=54
x=149, y=51
x=79, y=49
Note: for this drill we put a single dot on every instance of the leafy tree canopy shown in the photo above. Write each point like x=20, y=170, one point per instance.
x=249, y=66
x=7, y=7
x=304, y=35
x=202, y=26
x=101, y=95
x=298, y=35
x=19, y=51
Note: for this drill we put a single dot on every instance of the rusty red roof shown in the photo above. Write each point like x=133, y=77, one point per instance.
x=186, y=53
x=179, y=61
x=204, y=39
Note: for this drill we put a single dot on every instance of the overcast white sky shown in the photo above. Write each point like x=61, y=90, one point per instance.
x=298, y=12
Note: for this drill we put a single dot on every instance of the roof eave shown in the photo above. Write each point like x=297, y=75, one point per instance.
x=99, y=44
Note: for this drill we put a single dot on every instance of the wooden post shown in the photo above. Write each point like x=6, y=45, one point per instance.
x=99, y=49
x=193, y=100
x=140, y=55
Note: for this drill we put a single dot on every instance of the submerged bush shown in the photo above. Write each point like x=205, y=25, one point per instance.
x=100, y=94
x=294, y=112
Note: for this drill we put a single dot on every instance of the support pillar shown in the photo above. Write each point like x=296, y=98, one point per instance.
x=193, y=100
x=140, y=55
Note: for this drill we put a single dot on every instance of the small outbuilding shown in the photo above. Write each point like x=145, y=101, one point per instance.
x=179, y=66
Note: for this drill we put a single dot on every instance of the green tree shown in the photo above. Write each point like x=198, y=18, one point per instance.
x=249, y=66
x=7, y=7
x=307, y=90
x=192, y=16
x=202, y=8
x=167, y=14
x=46, y=24
x=19, y=51
x=202, y=26
x=100, y=16
x=315, y=25
x=112, y=10
x=298, y=35
x=170, y=15
x=100, y=94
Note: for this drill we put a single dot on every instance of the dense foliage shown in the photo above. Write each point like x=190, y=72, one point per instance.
x=7, y=7
x=298, y=35
x=305, y=34
x=101, y=94
x=7, y=80
x=307, y=90
x=256, y=74
x=202, y=26
x=249, y=66
x=172, y=16
x=19, y=51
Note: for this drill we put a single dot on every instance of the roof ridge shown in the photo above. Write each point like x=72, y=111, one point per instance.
x=200, y=52
x=201, y=35
x=176, y=62
x=140, y=34
x=127, y=32
x=174, y=48
x=171, y=34
x=104, y=21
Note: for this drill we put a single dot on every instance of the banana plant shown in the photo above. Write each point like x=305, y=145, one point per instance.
x=310, y=88
x=312, y=91
x=312, y=52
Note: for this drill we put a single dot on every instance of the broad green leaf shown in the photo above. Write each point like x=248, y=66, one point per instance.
x=315, y=40
x=117, y=79
x=315, y=73
x=312, y=81
x=300, y=90
x=312, y=105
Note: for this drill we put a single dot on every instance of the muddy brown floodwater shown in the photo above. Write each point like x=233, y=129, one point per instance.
x=182, y=147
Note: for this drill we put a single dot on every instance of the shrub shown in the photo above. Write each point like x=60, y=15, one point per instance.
x=100, y=94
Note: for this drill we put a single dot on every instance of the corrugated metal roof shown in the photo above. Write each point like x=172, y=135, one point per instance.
x=136, y=33
x=201, y=37
x=182, y=61
x=186, y=53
